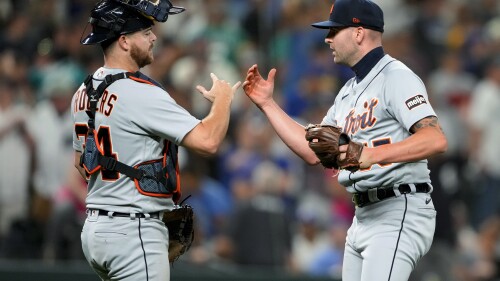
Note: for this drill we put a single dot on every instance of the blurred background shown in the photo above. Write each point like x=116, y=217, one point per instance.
x=262, y=214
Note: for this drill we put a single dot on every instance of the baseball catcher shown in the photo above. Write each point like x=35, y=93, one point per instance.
x=128, y=129
x=325, y=140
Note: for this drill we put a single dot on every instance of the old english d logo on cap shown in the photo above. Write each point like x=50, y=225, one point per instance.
x=346, y=13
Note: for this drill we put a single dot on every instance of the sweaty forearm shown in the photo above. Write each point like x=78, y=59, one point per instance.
x=290, y=132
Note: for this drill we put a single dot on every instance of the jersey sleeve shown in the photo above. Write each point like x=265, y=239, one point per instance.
x=159, y=114
x=329, y=118
x=406, y=97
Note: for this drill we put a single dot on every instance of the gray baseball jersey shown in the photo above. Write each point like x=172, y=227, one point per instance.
x=134, y=119
x=386, y=239
x=376, y=112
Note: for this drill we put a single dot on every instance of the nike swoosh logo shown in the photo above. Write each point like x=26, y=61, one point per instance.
x=345, y=96
x=427, y=201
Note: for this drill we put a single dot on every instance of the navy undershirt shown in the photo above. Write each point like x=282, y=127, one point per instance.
x=367, y=63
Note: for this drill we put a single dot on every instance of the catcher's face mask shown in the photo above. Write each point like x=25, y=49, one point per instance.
x=157, y=10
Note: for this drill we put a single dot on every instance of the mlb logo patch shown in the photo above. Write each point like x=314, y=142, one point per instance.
x=415, y=101
x=100, y=74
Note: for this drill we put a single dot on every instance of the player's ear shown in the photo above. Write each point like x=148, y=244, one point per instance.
x=359, y=34
x=124, y=42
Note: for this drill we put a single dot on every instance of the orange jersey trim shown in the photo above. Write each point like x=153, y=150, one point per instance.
x=141, y=80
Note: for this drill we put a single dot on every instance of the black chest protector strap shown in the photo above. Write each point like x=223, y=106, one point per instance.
x=108, y=163
x=95, y=94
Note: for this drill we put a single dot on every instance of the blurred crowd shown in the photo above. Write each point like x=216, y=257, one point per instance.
x=256, y=203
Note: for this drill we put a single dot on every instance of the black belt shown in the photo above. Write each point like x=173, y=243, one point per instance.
x=155, y=215
x=375, y=195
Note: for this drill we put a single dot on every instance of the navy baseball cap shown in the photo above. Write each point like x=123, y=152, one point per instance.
x=345, y=13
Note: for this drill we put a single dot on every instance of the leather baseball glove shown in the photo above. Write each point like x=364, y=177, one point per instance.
x=180, y=224
x=325, y=140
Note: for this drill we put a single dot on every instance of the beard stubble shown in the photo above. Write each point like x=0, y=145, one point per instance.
x=142, y=58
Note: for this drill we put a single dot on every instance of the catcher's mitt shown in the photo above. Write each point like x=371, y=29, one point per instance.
x=180, y=224
x=324, y=140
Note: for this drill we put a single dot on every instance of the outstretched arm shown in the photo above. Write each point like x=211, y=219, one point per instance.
x=260, y=92
x=208, y=135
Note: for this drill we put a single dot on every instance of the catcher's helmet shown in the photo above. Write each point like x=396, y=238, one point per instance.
x=112, y=18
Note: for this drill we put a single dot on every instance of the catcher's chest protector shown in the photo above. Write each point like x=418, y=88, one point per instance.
x=159, y=178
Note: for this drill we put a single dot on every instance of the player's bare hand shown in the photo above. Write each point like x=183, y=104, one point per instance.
x=364, y=160
x=219, y=88
x=258, y=89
